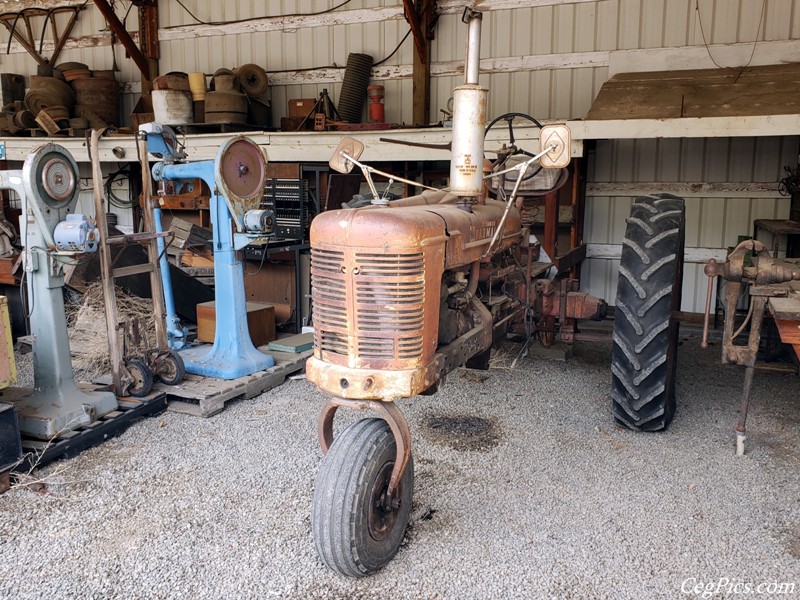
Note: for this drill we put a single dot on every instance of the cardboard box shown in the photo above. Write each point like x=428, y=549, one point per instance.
x=260, y=322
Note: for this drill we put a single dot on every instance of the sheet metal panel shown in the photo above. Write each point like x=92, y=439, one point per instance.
x=711, y=222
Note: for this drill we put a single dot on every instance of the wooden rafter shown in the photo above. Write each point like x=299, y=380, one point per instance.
x=420, y=43
x=124, y=37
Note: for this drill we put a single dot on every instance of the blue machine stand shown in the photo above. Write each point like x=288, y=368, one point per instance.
x=48, y=186
x=236, y=178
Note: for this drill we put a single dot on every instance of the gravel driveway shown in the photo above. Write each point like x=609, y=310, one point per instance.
x=524, y=489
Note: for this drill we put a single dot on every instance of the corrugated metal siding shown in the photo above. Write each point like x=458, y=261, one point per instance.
x=606, y=25
x=716, y=222
x=538, y=31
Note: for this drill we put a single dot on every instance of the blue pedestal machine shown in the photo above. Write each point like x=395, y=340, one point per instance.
x=237, y=178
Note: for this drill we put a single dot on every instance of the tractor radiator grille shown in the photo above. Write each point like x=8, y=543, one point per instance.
x=369, y=305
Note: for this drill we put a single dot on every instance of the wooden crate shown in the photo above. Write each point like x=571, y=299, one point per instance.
x=260, y=322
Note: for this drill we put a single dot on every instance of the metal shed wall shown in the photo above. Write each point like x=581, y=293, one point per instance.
x=544, y=57
x=712, y=222
x=547, y=58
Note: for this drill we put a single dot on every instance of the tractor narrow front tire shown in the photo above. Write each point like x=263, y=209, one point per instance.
x=354, y=535
x=645, y=339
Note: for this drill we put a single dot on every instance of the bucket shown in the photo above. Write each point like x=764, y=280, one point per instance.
x=197, y=85
x=173, y=107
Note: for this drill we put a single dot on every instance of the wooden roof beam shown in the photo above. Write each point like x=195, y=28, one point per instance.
x=124, y=37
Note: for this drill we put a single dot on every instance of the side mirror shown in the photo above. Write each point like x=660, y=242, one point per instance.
x=348, y=148
x=558, y=136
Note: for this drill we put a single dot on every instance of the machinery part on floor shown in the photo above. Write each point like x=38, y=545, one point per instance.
x=749, y=264
x=405, y=291
x=645, y=339
x=237, y=178
x=48, y=188
x=169, y=367
x=357, y=523
x=141, y=378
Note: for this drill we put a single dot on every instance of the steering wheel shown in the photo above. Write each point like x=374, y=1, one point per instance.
x=509, y=147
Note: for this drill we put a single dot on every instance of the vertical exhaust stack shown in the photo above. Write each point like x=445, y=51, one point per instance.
x=469, y=120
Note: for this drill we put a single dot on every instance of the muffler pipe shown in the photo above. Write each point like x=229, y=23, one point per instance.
x=474, y=19
x=469, y=118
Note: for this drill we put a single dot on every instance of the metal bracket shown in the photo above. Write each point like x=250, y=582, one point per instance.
x=390, y=413
x=27, y=41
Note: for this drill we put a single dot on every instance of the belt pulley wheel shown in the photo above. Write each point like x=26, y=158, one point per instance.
x=51, y=175
x=242, y=170
x=58, y=180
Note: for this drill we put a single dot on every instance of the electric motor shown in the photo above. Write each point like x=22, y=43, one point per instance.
x=76, y=234
x=258, y=221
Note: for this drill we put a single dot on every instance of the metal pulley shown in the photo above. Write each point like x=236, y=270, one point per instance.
x=240, y=172
x=52, y=176
x=76, y=234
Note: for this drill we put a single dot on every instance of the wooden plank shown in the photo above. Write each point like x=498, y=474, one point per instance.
x=697, y=57
x=132, y=270
x=707, y=127
x=106, y=267
x=685, y=189
x=205, y=396
x=421, y=69
x=379, y=14
x=294, y=343
x=691, y=255
x=789, y=330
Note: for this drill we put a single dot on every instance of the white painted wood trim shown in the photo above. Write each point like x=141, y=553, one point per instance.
x=457, y=6
x=344, y=17
x=305, y=146
x=86, y=41
x=573, y=60
x=17, y=5
x=684, y=189
x=690, y=255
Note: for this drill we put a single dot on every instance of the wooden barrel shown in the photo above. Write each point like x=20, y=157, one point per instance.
x=226, y=107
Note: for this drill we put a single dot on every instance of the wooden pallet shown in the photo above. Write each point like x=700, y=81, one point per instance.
x=70, y=443
x=206, y=396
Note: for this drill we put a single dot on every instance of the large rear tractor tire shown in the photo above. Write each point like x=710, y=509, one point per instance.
x=645, y=340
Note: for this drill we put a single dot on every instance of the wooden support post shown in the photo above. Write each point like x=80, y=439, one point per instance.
x=109, y=294
x=156, y=285
x=794, y=205
x=578, y=199
x=148, y=42
x=425, y=19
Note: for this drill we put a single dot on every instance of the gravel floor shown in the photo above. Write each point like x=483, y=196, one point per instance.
x=550, y=501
